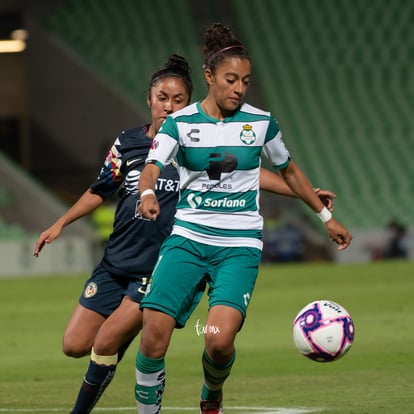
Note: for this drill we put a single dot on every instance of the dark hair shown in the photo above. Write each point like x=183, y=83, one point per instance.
x=175, y=66
x=219, y=42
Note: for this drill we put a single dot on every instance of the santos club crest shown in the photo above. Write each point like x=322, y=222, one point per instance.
x=247, y=135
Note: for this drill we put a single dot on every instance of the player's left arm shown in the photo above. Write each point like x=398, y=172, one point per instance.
x=300, y=185
x=273, y=183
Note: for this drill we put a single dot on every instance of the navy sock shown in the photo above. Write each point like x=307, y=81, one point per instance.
x=97, y=378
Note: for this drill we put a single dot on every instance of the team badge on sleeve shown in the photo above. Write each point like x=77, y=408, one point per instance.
x=90, y=290
x=247, y=135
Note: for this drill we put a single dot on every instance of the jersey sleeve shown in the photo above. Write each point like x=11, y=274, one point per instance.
x=110, y=176
x=274, y=148
x=164, y=145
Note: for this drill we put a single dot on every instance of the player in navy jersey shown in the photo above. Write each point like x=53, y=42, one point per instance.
x=107, y=317
x=217, y=234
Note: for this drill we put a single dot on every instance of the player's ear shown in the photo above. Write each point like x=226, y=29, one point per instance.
x=149, y=99
x=208, y=75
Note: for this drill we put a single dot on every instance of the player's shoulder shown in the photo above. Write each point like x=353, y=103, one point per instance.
x=133, y=138
x=252, y=110
x=139, y=132
x=188, y=110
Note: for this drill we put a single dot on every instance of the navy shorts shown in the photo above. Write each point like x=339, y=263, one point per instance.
x=103, y=293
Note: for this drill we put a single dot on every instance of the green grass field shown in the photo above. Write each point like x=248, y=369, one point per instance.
x=376, y=376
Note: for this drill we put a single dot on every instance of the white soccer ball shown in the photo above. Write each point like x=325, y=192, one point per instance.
x=323, y=331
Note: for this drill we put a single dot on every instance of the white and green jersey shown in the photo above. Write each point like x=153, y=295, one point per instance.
x=219, y=165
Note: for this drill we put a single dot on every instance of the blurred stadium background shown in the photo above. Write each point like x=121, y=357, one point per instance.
x=336, y=74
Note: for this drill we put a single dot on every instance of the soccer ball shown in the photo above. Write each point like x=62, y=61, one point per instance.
x=323, y=331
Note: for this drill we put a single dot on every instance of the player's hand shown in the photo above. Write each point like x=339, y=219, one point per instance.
x=326, y=197
x=338, y=234
x=149, y=208
x=46, y=237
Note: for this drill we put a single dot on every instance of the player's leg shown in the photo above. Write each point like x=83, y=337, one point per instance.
x=150, y=362
x=111, y=341
x=176, y=288
x=232, y=278
x=102, y=295
x=223, y=323
x=119, y=328
x=80, y=331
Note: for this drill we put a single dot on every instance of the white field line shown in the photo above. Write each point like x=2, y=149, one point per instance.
x=246, y=410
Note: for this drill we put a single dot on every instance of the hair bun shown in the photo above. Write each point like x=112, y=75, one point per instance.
x=177, y=62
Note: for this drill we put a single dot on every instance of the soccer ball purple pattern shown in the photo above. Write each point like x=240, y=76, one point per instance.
x=323, y=331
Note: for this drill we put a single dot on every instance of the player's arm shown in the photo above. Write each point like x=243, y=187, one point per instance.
x=301, y=186
x=273, y=183
x=148, y=206
x=87, y=203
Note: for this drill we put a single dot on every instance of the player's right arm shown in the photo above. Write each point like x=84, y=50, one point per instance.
x=87, y=203
x=148, y=207
x=158, y=156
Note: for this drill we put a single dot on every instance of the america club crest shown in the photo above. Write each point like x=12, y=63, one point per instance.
x=247, y=135
x=90, y=290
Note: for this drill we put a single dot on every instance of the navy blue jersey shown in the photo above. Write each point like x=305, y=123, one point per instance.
x=133, y=246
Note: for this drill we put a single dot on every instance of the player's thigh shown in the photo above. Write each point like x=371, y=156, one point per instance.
x=101, y=296
x=233, y=276
x=178, y=280
x=80, y=331
x=119, y=328
x=156, y=335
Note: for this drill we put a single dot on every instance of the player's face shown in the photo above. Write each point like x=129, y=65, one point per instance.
x=166, y=96
x=229, y=84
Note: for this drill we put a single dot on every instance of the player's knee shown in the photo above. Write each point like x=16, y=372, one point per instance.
x=105, y=347
x=154, y=344
x=71, y=347
x=220, y=349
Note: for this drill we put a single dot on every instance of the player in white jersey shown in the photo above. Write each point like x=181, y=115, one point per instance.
x=217, y=235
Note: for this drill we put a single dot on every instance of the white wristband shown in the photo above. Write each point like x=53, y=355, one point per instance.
x=324, y=215
x=148, y=191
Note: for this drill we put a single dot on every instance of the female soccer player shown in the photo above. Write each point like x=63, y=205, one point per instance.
x=216, y=238
x=107, y=317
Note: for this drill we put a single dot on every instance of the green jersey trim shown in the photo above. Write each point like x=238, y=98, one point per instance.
x=282, y=166
x=213, y=231
x=169, y=127
x=247, y=158
x=157, y=163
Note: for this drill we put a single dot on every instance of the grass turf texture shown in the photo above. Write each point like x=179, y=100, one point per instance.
x=375, y=377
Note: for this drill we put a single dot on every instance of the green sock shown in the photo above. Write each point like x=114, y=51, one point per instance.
x=150, y=375
x=214, y=377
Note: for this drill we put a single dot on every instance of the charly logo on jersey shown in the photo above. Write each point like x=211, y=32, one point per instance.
x=90, y=290
x=247, y=135
x=193, y=135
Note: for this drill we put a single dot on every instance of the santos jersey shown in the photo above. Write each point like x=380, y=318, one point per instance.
x=133, y=246
x=219, y=167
